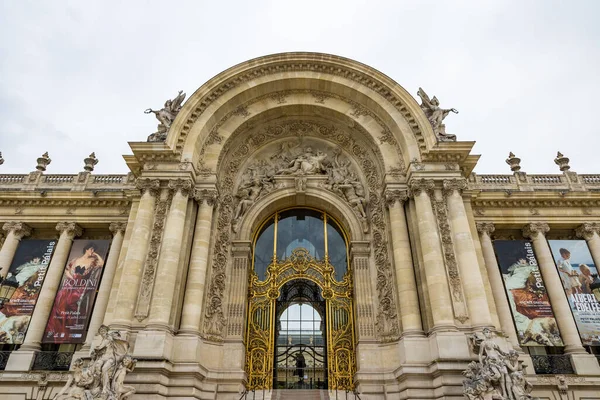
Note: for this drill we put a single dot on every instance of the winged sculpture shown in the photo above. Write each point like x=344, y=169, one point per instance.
x=166, y=116
x=435, y=114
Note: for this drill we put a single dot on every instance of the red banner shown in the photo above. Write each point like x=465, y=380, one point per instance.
x=74, y=300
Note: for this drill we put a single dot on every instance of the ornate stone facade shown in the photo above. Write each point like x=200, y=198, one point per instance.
x=301, y=130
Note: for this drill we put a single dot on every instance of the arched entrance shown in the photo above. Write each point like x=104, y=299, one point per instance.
x=300, y=258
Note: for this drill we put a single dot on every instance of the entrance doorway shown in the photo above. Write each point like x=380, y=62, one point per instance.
x=300, y=331
x=300, y=337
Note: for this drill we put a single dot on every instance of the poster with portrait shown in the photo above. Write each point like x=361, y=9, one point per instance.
x=75, y=297
x=529, y=302
x=577, y=271
x=27, y=270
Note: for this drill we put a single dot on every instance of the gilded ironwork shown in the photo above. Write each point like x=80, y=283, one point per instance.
x=263, y=295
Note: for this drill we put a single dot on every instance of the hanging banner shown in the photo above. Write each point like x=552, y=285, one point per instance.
x=77, y=291
x=577, y=271
x=529, y=302
x=28, y=269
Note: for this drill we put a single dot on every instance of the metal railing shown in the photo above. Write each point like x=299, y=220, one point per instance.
x=52, y=361
x=549, y=364
x=4, y=359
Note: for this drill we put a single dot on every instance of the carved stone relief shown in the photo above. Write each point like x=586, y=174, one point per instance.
x=299, y=158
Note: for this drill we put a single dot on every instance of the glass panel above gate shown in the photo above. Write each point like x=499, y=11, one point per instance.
x=312, y=230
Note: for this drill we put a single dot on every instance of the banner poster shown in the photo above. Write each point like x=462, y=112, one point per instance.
x=28, y=269
x=77, y=291
x=577, y=271
x=529, y=302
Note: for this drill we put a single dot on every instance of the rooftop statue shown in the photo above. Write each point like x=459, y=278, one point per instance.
x=435, y=114
x=166, y=116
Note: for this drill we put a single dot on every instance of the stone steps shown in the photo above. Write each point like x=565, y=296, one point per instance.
x=300, y=394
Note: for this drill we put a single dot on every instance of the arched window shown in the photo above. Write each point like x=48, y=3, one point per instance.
x=313, y=230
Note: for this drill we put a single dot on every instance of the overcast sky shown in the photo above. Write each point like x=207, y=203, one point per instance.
x=76, y=76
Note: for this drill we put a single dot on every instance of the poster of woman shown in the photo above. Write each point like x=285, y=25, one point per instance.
x=74, y=300
x=577, y=271
x=529, y=302
x=28, y=270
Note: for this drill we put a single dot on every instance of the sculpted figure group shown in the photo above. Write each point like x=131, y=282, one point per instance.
x=259, y=179
x=104, y=377
x=435, y=114
x=498, y=375
x=165, y=117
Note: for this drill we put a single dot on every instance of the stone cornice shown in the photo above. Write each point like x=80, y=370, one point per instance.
x=19, y=229
x=66, y=202
x=587, y=230
x=534, y=229
x=485, y=227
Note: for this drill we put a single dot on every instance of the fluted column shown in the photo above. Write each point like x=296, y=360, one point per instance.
x=194, y=292
x=560, y=305
x=433, y=259
x=168, y=262
x=136, y=254
x=496, y=281
x=118, y=230
x=468, y=264
x=363, y=291
x=590, y=231
x=39, y=319
x=15, y=231
x=408, y=298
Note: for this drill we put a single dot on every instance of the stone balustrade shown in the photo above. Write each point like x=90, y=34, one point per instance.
x=521, y=181
x=36, y=181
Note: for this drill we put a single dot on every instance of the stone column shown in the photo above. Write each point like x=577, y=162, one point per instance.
x=15, y=231
x=118, y=230
x=590, y=232
x=191, y=316
x=560, y=305
x=498, y=291
x=468, y=264
x=433, y=259
x=238, y=289
x=136, y=254
x=39, y=319
x=168, y=262
x=410, y=313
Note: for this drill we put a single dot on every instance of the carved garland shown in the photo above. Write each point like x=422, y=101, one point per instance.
x=150, y=266
x=386, y=137
x=335, y=70
x=214, y=321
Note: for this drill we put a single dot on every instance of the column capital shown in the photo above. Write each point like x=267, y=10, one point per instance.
x=485, y=227
x=206, y=195
x=148, y=185
x=19, y=229
x=181, y=185
x=587, y=230
x=116, y=227
x=453, y=185
x=416, y=186
x=70, y=228
x=534, y=229
x=393, y=196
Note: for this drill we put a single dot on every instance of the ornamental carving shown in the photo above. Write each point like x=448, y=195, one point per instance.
x=147, y=185
x=71, y=229
x=184, y=186
x=395, y=196
x=486, y=228
x=150, y=266
x=18, y=229
x=104, y=377
x=458, y=299
x=534, y=229
x=261, y=178
x=206, y=195
x=165, y=117
x=454, y=185
x=587, y=230
x=418, y=186
x=497, y=374
x=116, y=227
